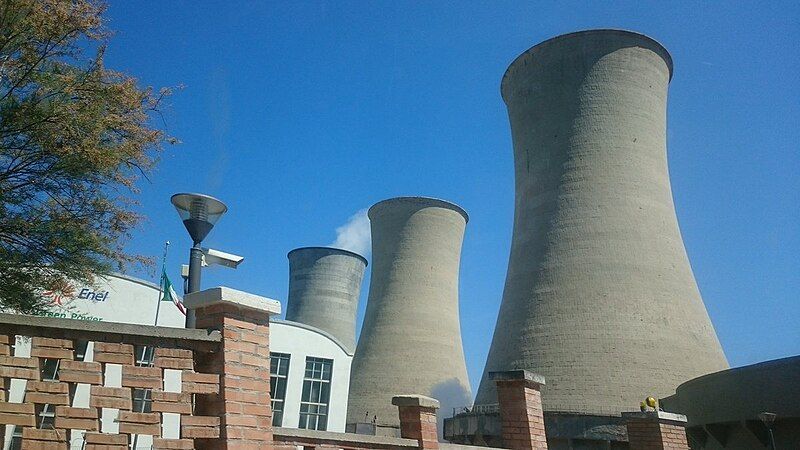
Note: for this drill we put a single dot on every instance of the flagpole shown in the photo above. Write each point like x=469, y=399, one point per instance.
x=144, y=348
x=161, y=283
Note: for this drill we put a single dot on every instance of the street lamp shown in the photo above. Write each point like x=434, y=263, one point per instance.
x=768, y=418
x=199, y=213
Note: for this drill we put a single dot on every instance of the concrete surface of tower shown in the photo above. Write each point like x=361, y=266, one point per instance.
x=599, y=296
x=324, y=288
x=410, y=340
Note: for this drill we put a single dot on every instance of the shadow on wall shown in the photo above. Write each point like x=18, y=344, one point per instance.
x=451, y=394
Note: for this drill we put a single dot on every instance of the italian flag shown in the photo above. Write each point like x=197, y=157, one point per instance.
x=169, y=293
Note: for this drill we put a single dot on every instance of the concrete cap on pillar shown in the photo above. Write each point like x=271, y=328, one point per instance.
x=659, y=416
x=415, y=400
x=227, y=296
x=514, y=375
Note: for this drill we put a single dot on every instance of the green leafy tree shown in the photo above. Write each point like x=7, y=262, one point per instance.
x=75, y=138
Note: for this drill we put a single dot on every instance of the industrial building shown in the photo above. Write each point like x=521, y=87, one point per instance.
x=599, y=299
x=310, y=370
x=411, y=337
x=728, y=409
x=324, y=288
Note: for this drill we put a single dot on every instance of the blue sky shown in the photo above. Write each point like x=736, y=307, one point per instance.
x=300, y=114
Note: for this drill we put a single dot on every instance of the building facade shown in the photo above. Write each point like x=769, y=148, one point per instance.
x=310, y=369
x=310, y=377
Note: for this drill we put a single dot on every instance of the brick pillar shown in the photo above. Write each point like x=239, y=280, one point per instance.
x=520, y=398
x=656, y=430
x=418, y=419
x=243, y=403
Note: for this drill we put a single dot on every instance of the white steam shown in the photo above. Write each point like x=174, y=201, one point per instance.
x=355, y=235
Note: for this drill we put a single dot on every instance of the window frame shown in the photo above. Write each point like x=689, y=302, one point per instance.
x=316, y=395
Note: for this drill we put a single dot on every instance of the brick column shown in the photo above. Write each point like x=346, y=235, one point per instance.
x=520, y=398
x=656, y=430
x=418, y=419
x=243, y=402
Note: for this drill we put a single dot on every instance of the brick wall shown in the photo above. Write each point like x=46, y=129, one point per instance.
x=243, y=403
x=418, y=419
x=223, y=401
x=520, y=398
x=656, y=430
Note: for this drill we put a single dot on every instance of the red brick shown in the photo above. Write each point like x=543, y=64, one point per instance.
x=16, y=367
x=140, y=423
x=171, y=402
x=110, y=397
x=42, y=392
x=105, y=352
x=80, y=372
x=173, y=358
x=199, y=383
x=50, y=342
x=173, y=444
x=44, y=435
x=52, y=353
x=142, y=377
x=77, y=418
x=106, y=439
x=21, y=414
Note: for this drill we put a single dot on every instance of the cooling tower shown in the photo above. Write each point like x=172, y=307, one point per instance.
x=411, y=338
x=599, y=295
x=324, y=287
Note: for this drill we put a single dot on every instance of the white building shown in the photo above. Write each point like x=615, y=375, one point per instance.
x=310, y=370
x=310, y=377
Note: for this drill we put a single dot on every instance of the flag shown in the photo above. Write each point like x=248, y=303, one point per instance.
x=169, y=293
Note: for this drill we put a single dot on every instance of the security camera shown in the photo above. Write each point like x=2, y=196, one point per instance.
x=215, y=257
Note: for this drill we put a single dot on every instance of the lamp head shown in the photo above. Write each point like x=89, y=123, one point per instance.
x=767, y=418
x=199, y=213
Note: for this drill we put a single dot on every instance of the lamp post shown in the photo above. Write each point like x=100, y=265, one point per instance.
x=768, y=418
x=199, y=213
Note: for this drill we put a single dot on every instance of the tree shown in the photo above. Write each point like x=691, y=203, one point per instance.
x=75, y=138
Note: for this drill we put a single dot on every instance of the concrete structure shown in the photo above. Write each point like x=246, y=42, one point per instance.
x=324, y=288
x=723, y=408
x=299, y=347
x=411, y=337
x=599, y=296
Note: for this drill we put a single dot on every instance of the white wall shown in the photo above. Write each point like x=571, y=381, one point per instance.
x=116, y=298
x=301, y=341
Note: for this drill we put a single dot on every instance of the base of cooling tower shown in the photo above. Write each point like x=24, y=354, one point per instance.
x=565, y=431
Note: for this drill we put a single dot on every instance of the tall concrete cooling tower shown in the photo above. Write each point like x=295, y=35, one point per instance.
x=324, y=287
x=599, y=295
x=410, y=341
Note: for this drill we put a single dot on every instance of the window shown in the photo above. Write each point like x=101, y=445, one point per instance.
x=143, y=398
x=316, y=394
x=144, y=355
x=16, y=438
x=80, y=349
x=278, y=373
x=45, y=416
x=49, y=369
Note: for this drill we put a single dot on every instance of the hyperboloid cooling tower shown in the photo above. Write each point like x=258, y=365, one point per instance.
x=411, y=337
x=324, y=287
x=599, y=295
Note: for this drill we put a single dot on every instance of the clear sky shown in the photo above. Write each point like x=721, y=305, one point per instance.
x=299, y=114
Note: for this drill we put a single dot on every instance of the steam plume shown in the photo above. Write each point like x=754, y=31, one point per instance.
x=355, y=235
